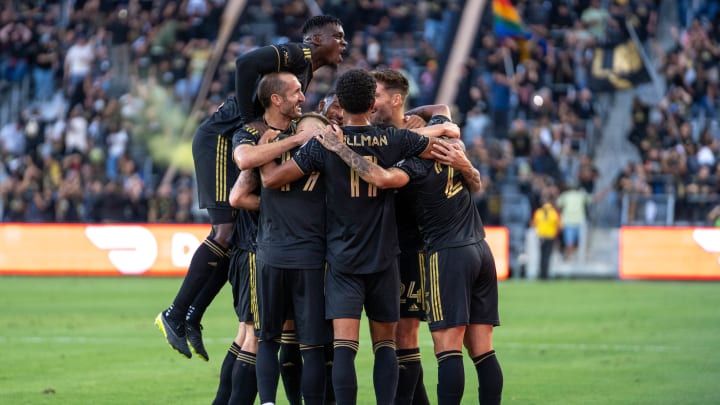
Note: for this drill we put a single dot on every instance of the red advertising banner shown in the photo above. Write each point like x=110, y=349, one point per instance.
x=125, y=249
x=669, y=253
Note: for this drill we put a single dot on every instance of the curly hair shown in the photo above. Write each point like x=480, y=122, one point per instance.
x=318, y=22
x=356, y=91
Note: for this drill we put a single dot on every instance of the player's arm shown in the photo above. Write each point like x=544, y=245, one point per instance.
x=241, y=194
x=451, y=153
x=248, y=156
x=249, y=68
x=274, y=175
x=448, y=129
x=428, y=111
x=333, y=140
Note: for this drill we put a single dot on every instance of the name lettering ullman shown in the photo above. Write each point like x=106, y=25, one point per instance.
x=366, y=140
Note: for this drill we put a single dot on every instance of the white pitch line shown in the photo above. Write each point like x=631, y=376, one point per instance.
x=511, y=345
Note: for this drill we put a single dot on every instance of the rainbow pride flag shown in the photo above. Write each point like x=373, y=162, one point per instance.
x=507, y=20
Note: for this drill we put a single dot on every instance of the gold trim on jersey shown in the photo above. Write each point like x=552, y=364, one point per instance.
x=277, y=51
x=221, y=192
x=423, y=284
x=436, y=303
x=254, y=310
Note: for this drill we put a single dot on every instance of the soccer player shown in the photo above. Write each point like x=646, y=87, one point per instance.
x=361, y=235
x=290, y=250
x=329, y=107
x=180, y=323
x=460, y=280
x=390, y=95
x=323, y=45
x=238, y=384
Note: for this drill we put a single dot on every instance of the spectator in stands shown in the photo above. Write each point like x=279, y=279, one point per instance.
x=573, y=204
x=547, y=223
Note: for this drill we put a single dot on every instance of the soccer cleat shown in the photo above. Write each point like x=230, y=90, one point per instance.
x=194, y=340
x=174, y=332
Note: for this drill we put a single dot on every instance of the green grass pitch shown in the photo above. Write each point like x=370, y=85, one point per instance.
x=92, y=341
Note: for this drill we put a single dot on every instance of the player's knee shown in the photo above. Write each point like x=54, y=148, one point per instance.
x=222, y=234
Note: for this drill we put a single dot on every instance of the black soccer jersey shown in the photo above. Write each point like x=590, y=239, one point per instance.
x=224, y=121
x=447, y=215
x=409, y=236
x=361, y=227
x=290, y=57
x=291, y=229
x=245, y=231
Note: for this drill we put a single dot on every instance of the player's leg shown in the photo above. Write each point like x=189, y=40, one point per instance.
x=382, y=306
x=448, y=281
x=291, y=365
x=214, y=283
x=222, y=396
x=478, y=341
x=269, y=323
x=483, y=318
x=215, y=174
x=243, y=382
x=346, y=344
x=313, y=331
x=344, y=297
x=209, y=264
x=407, y=338
x=244, y=375
x=451, y=374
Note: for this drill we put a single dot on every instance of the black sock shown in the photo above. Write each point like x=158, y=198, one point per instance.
x=329, y=393
x=409, y=368
x=214, y=283
x=208, y=255
x=226, y=369
x=490, y=378
x=451, y=377
x=344, y=378
x=313, y=374
x=385, y=372
x=420, y=397
x=291, y=367
x=267, y=370
x=244, y=380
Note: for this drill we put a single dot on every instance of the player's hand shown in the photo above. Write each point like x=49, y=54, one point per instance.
x=331, y=138
x=451, y=130
x=450, y=154
x=413, y=121
x=268, y=136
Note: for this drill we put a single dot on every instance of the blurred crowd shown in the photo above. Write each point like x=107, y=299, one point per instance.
x=96, y=94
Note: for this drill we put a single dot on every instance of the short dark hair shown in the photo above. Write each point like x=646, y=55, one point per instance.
x=356, y=91
x=319, y=21
x=392, y=80
x=270, y=84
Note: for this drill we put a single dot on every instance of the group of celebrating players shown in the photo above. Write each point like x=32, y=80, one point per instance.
x=319, y=216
